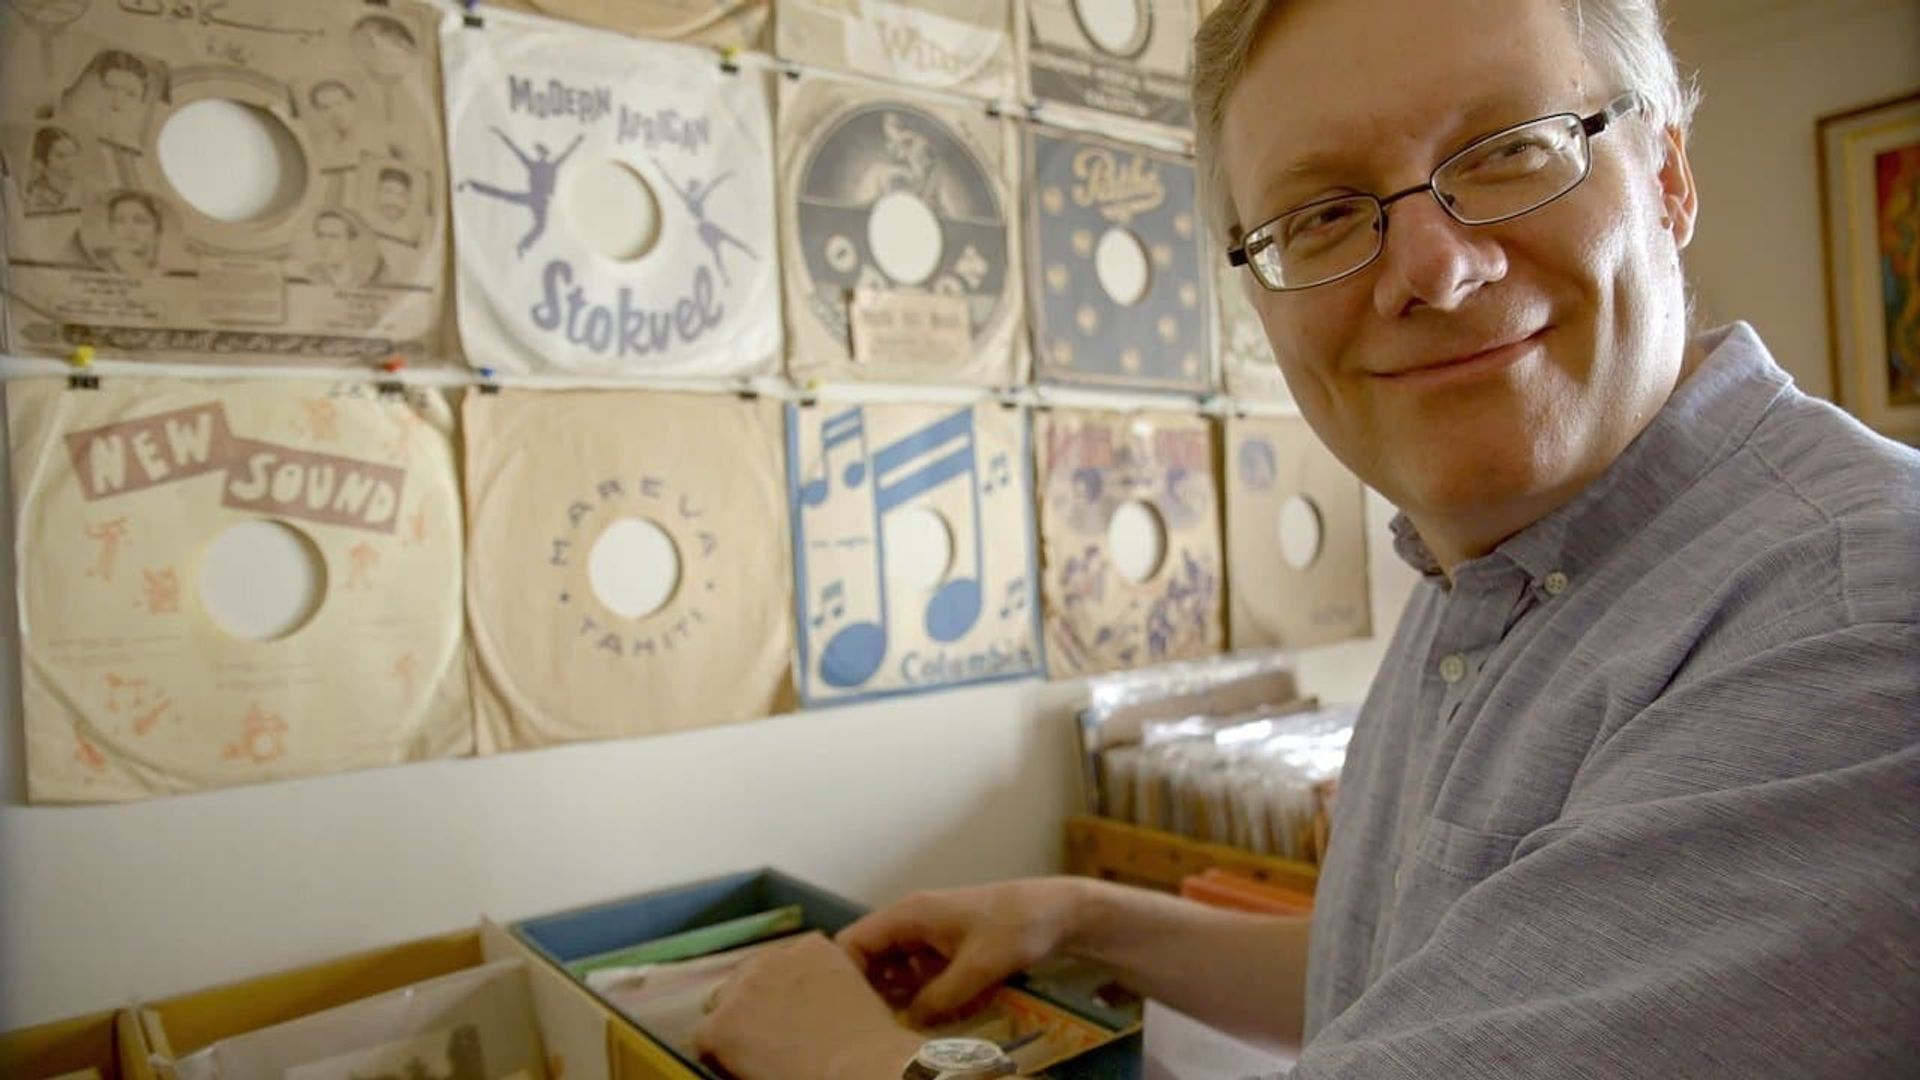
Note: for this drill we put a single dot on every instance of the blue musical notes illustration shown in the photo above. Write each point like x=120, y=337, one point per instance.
x=999, y=474
x=874, y=627
x=849, y=426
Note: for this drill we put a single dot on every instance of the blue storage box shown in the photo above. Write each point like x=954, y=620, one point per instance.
x=599, y=928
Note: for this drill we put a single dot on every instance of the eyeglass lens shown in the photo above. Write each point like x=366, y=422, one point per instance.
x=1498, y=178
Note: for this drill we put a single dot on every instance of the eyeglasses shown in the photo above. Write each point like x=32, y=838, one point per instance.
x=1496, y=178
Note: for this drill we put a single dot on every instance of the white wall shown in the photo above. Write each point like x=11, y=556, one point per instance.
x=1770, y=69
x=100, y=905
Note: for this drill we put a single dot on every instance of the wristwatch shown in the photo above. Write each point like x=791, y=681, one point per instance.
x=959, y=1059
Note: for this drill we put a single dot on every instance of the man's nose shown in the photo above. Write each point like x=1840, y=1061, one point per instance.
x=1431, y=260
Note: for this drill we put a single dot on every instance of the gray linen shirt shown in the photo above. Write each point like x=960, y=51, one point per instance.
x=1637, y=794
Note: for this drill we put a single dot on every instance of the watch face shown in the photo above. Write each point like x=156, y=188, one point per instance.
x=955, y=1055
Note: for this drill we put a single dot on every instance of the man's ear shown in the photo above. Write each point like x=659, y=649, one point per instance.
x=1679, y=199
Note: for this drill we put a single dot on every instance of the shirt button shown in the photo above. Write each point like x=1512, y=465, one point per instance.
x=1556, y=583
x=1453, y=668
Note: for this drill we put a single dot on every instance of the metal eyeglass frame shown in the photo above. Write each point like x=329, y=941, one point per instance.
x=1623, y=105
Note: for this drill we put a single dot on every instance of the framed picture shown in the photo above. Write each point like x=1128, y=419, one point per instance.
x=1870, y=195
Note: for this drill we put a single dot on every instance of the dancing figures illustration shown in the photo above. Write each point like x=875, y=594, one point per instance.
x=694, y=193
x=543, y=174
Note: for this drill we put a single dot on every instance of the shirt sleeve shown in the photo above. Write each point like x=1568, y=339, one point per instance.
x=1729, y=891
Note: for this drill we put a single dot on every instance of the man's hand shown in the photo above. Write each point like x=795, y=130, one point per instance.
x=802, y=1012
x=936, y=953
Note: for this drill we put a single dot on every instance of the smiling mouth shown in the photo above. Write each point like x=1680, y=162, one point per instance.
x=1471, y=366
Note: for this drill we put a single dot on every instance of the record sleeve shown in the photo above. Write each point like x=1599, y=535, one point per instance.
x=891, y=196
x=1247, y=363
x=913, y=548
x=1118, y=296
x=128, y=502
x=1128, y=58
x=613, y=204
x=960, y=46
x=1296, y=538
x=1111, y=604
x=344, y=263
x=723, y=24
x=626, y=573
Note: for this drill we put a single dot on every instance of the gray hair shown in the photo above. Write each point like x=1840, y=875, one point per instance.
x=1624, y=38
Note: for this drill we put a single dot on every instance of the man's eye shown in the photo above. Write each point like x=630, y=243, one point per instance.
x=1319, y=221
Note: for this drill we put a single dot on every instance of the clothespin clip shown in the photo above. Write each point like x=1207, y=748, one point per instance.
x=391, y=387
x=993, y=110
x=730, y=59
x=745, y=390
x=808, y=396
x=1009, y=397
x=791, y=70
x=472, y=17
x=82, y=376
x=487, y=383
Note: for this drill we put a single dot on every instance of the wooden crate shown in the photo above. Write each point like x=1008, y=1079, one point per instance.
x=1119, y=851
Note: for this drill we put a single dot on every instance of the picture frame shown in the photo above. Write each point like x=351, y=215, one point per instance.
x=1870, y=215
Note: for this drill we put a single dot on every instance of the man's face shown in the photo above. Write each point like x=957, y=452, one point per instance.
x=123, y=91
x=133, y=229
x=391, y=200
x=330, y=236
x=336, y=105
x=1580, y=301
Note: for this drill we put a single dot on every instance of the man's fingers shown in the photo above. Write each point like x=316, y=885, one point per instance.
x=952, y=990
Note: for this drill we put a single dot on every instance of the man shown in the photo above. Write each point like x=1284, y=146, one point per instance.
x=333, y=239
x=393, y=195
x=336, y=114
x=1634, y=791
x=117, y=83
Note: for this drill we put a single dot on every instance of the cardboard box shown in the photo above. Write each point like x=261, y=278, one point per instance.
x=571, y=935
x=62, y=1047
x=583, y=1040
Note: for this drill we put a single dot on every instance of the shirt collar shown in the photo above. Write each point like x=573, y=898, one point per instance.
x=1705, y=420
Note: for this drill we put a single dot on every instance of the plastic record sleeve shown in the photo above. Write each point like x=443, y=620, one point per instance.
x=1157, y=469
x=125, y=497
x=885, y=193
x=613, y=204
x=1127, y=58
x=961, y=46
x=1247, y=363
x=723, y=24
x=1118, y=296
x=345, y=262
x=1296, y=538
x=626, y=573
x=913, y=548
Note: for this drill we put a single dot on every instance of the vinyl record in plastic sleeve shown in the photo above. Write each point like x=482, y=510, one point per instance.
x=913, y=548
x=1119, y=299
x=343, y=262
x=1129, y=58
x=613, y=204
x=627, y=574
x=144, y=672
x=1111, y=485
x=884, y=192
x=960, y=46
x=1296, y=538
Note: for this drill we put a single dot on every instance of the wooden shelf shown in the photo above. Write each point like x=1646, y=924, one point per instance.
x=1118, y=851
